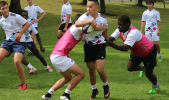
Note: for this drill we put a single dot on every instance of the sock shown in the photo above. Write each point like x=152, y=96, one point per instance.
x=105, y=83
x=67, y=91
x=159, y=54
x=47, y=66
x=51, y=91
x=93, y=87
x=29, y=66
x=156, y=86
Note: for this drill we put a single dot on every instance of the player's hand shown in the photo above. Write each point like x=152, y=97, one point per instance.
x=65, y=29
x=93, y=23
x=42, y=49
x=158, y=33
x=18, y=36
x=36, y=20
x=108, y=42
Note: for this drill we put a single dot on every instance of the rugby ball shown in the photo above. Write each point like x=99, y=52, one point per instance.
x=87, y=29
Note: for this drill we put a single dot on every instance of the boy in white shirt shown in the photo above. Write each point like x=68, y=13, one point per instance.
x=66, y=22
x=15, y=40
x=151, y=17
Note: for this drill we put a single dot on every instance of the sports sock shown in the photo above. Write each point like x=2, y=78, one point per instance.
x=105, y=83
x=67, y=91
x=156, y=86
x=47, y=66
x=29, y=66
x=159, y=54
x=51, y=91
x=93, y=87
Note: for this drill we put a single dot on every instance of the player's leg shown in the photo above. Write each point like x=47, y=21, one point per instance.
x=31, y=68
x=59, y=34
x=158, y=50
x=36, y=52
x=3, y=53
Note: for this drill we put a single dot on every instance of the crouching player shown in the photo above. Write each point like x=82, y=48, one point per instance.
x=142, y=49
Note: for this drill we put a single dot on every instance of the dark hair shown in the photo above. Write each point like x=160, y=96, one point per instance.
x=125, y=19
x=76, y=17
x=95, y=2
x=150, y=1
x=3, y=3
x=24, y=11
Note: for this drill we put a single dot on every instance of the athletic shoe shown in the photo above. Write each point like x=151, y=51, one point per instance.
x=142, y=73
x=49, y=69
x=159, y=58
x=94, y=93
x=32, y=70
x=154, y=90
x=46, y=98
x=65, y=96
x=106, y=91
x=22, y=86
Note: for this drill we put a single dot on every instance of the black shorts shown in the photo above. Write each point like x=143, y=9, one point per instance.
x=94, y=52
x=62, y=26
x=30, y=45
x=149, y=61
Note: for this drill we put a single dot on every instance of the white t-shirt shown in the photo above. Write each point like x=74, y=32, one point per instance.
x=32, y=12
x=11, y=24
x=94, y=37
x=133, y=36
x=151, y=18
x=66, y=9
x=28, y=37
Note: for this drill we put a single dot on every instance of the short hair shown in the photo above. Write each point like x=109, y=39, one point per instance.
x=2, y=3
x=95, y=2
x=76, y=17
x=150, y=1
x=125, y=19
x=24, y=11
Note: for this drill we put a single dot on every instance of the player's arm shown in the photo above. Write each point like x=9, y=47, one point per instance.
x=158, y=32
x=83, y=22
x=121, y=47
x=67, y=22
x=142, y=25
x=40, y=42
x=43, y=15
x=105, y=35
x=25, y=27
x=33, y=37
x=100, y=27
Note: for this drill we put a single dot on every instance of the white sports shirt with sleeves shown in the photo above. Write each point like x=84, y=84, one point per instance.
x=133, y=36
x=32, y=12
x=94, y=37
x=28, y=37
x=151, y=18
x=66, y=9
x=11, y=24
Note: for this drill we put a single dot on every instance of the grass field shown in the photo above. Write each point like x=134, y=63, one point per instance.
x=124, y=85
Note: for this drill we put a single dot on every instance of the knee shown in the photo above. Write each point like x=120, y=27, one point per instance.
x=59, y=35
x=17, y=62
x=100, y=71
x=91, y=71
x=130, y=69
x=82, y=74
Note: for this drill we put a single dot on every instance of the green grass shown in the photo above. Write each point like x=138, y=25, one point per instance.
x=124, y=85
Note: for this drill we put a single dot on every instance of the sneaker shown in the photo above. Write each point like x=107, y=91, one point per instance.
x=65, y=97
x=106, y=91
x=22, y=86
x=94, y=93
x=159, y=58
x=32, y=70
x=49, y=69
x=142, y=73
x=45, y=98
x=154, y=90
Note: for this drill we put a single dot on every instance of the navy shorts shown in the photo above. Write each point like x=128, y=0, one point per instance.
x=62, y=26
x=149, y=61
x=94, y=52
x=30, y=45
x=14, y=46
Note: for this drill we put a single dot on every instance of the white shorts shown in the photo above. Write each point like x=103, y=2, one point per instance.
x=61, y=63
x=152, y=36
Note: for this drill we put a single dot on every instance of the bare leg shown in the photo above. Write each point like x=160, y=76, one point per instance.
x=100, y=69
x=3, y=53
x=17, y=61
x=59, y=34
x=158, y=46
x=92, y=74
x=132, y=66
x=151, y=76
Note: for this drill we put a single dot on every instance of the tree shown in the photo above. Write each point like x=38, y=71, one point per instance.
x=140, y=3
x=15, y=6
x=84, y=2
x=102, y=7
